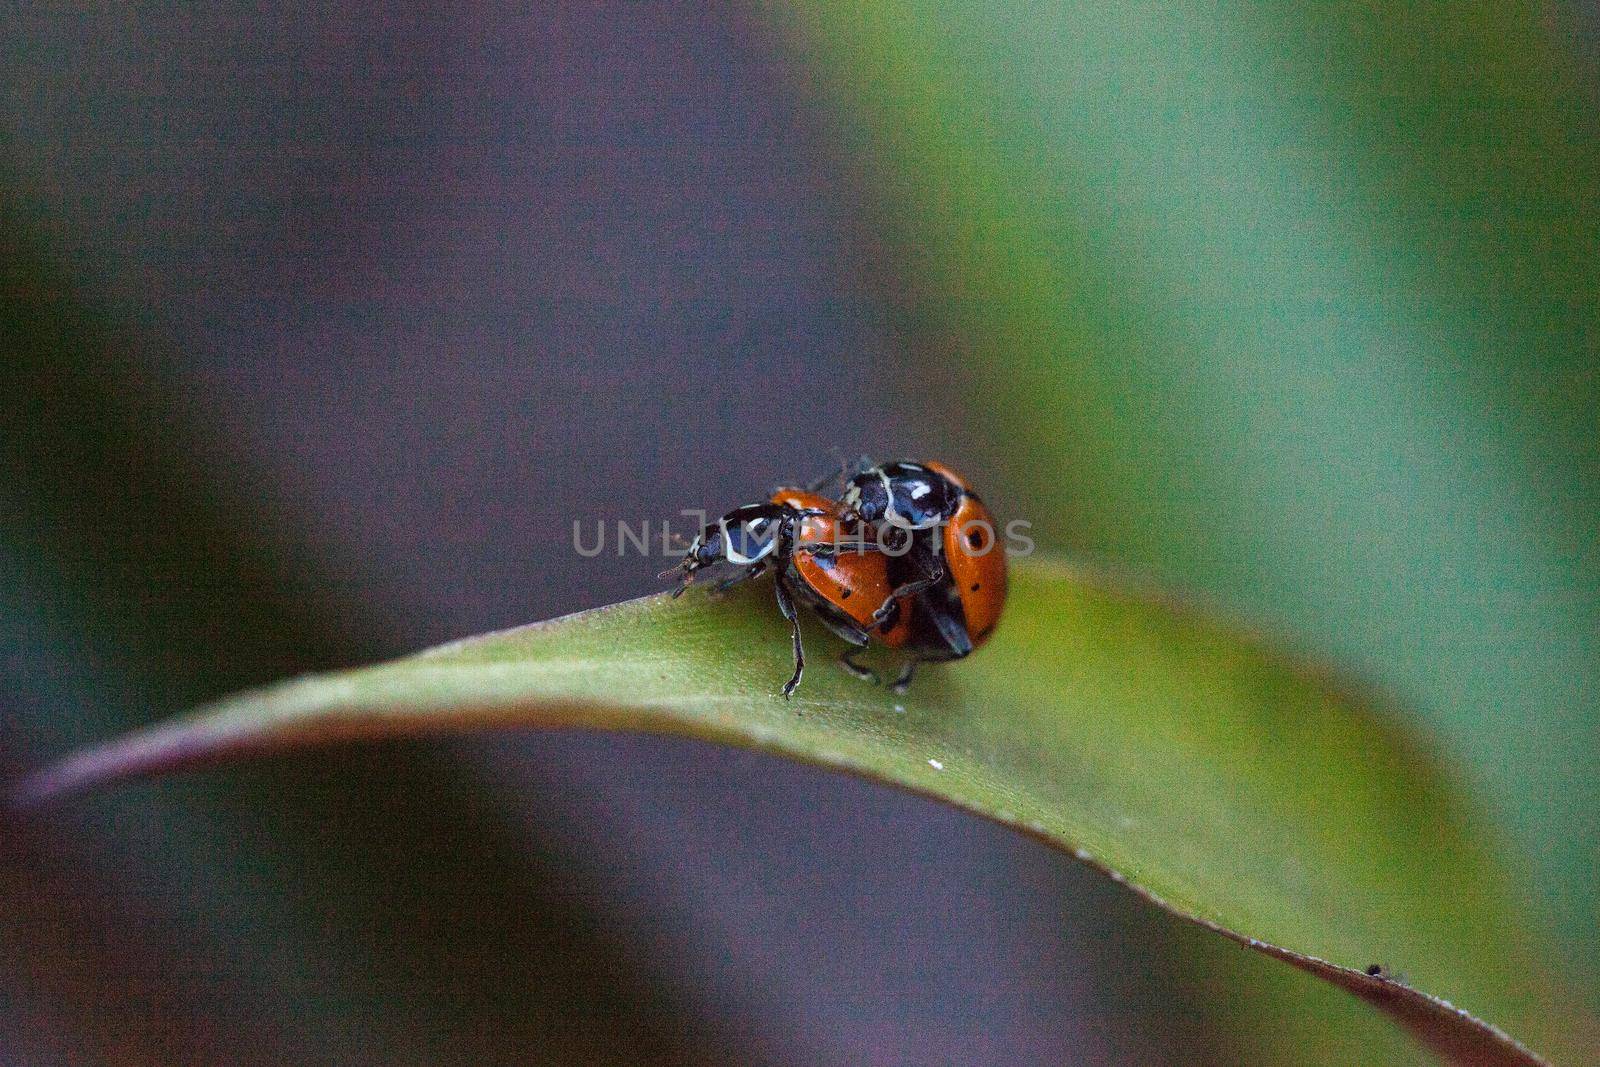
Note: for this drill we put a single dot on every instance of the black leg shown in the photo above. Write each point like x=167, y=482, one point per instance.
x=822, y=481
x=928, y=571
x=909, y=589
x=847, y=470
x=786, y=606
x=950, y=623
x=845, y=629
x=855, y=546
x=903, y=682
x=865, y=673
x=815, y=485
x=752, y=571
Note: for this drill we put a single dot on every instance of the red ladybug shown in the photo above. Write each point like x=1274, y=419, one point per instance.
x=844, y=580
x=799, y=535
x=952, y=561
x=909, y=560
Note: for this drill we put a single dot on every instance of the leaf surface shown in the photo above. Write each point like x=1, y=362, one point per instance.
x=1215, y=777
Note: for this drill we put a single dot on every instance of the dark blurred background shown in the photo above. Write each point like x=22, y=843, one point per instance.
x=322, y=328
x=393, y=297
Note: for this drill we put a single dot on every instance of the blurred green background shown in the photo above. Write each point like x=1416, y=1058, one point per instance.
x=321, y=328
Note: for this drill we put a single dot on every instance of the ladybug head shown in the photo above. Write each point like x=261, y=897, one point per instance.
x=744, y=537
x=906, y=495
x=866, y=499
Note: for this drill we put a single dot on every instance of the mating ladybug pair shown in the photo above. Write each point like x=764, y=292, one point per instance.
x=907, y=558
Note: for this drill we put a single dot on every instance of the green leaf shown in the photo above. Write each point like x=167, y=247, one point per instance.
x=1217, y=779
x=1289, y=302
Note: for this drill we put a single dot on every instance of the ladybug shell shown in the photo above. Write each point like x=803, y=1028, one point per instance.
x=949, y=475
x=976, y=562
x=851, y=584
x=976, y=565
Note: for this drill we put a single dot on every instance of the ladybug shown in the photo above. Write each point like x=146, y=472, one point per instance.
x=800, y=536
x=850, y=584
x=747, y=537
x=908, y=560
x=844, y=580
x=944, y=549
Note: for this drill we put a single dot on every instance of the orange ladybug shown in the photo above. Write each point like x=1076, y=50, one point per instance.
x=909, y=559
x=844, y=580
x=800, y=536
x=945, y=551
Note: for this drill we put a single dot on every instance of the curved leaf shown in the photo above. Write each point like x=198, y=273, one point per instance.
x=1221, y=781
x=1277, y=301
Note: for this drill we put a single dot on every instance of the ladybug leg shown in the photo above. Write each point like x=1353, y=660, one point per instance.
x=786, y=606
x=909, y=589
x=855, y=546
x=821, y=481
x=859, y=670
x=903, y=681
x=815, y=485
x=854, y=543
x=930, y=573
x=755, y=570
x=844, y=629
x=847, y=469
x=950, y=623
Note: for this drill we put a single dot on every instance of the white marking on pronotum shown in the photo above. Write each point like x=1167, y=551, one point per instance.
x=888, y=500
x=753, y=528
x=936, y=765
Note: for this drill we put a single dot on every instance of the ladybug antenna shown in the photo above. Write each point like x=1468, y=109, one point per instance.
x=682, y=569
